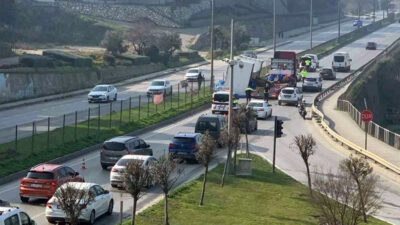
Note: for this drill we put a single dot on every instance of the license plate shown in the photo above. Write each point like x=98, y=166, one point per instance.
x=36, y=185
x=288, y=96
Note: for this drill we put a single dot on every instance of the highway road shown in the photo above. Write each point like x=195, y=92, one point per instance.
x=29, y=113
x=327, y=156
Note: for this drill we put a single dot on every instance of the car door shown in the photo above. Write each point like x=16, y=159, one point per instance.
x=72, y=176
x=25, y=219
x=145, y=148
x=12, y=220
x=62, y=176
x=103, y=204
x=97, y=201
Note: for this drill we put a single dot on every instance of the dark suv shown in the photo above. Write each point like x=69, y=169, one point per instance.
x=328, y=74
x=113, y=149
x=185, y=146
x=212, y=123
x=371, y=46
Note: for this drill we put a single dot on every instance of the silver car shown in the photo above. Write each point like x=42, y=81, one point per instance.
x=160, y=86
x=103, y=93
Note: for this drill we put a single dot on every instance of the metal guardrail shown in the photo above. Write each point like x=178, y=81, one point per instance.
x=332, y=89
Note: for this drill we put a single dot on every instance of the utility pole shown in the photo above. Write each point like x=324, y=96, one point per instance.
x=339, y=9
x=274, y=25
x=311, y=24
x=232, y=27
x=274, y=153
x=374, y=16
x=212, y=46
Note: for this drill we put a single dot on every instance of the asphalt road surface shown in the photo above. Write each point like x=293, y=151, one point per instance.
x=327, y=155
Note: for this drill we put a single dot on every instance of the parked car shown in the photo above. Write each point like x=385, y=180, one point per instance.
x=357, y=23
x=116, y=178
x=313, y=83
x=194, y=74
x=160, y=86
x=114, y=148
x=328, y=74
x=185, y=146
x=103, y=203
x=250, y=54
x=103, y=93
x=341, y=61
x=15, y=216
x=43, y=180
x=290, y=95
x=212, y=123
x=220, y=102
x=371, y=46
x=263, y=109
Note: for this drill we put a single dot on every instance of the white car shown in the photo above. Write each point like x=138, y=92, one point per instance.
x=102, y=203
x=160, y=86
x=103, y=93
x=194, y=75
x=117, y=170
x=290, y=95
x=263, y=109
x=14, y=216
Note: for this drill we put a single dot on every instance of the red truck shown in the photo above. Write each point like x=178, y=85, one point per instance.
x=283, y=72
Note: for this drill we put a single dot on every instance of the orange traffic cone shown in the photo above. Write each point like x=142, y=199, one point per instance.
x=83, y=163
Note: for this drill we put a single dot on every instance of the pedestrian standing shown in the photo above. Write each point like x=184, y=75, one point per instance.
x=304, y=74
x=266, y=91
x=248, y=94
x=199, y=80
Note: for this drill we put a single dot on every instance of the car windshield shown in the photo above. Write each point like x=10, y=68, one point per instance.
x=100, y=88
x=40, y=175
x=114, y=146
x=371, y=43
x=311, y=79
x=193, y=71
x=339, y=58
x=183, y=140
x=287, y=91
x=221, y=97
x=207, y=125
x=157, y=83
x=256, y=104
x=124, y=162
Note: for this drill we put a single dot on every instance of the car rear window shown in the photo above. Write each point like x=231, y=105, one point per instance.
x=207, y=125
x=183, y=140
x=114, y=146
x=193, y=71
x=287, y=91
x=40, y=175
x=221, y=98
x=339, y=58
x=124, y=162
x=326, y=70
x=311, y=79
x=256, y=104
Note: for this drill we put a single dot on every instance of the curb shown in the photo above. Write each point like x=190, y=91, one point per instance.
x=62, y=159
x=79, y=92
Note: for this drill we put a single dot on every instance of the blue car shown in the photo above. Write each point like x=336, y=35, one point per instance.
x=357, y=23
x=185, y=146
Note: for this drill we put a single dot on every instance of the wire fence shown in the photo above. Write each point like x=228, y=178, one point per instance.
x=101, y=121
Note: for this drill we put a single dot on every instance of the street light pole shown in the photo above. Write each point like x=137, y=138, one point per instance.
x=274, y=25
x=311, y=25
x=374, y=16
x=212, y=46
x=339, y=9
x=232, y=27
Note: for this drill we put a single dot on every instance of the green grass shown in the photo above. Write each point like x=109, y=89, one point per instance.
x=25, y=156
x=263, y=198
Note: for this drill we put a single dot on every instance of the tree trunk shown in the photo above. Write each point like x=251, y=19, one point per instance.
x=247, y=145
x=166, y=209
x=362, y=201
x=234, y=160
x=226, y=168
x=204, y=186
x=134, y=211
x=309, y=179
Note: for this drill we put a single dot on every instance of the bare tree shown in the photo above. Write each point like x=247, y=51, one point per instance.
x=141, y=38
x=136, y=177
x=204, y=155
x=72, y=201
x=162, y=171
x=336, y=198
x=361, y=172
x=169, y=42
x=246, y=114
x=231, y=140
x=306, y=146
x=113, y=41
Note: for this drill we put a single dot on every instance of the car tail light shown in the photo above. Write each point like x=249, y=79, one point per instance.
x=83, y=206
x=114, y=170
x=171, y=145
x=48, y=205
x=53, y=184
x=22, y=182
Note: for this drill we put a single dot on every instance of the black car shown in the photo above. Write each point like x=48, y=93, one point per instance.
x=185, y=146
x=212, y=123
x=371, y=46
x=328, y=74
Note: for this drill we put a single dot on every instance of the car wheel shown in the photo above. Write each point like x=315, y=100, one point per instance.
x=24, y=199
x=110, y=207
x=115, y=97
x=105, y=167
x=92, y=218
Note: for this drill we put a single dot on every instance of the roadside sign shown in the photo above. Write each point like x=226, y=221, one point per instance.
x=366, y=116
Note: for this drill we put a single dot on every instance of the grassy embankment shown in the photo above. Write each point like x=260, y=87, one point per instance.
x=263, y=198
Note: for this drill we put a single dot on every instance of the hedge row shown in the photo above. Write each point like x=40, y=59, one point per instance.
x=75, y=60
x=36, y=61
x=135, y=59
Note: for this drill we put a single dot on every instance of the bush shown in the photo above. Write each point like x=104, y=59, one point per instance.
x=75, y=60
x=5, y=50
x=109, y=59
x=36, y=61
x=188, y=54
x=135, y=59
x=153, y=53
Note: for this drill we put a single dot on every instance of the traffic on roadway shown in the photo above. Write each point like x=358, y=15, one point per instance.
x=181, y=138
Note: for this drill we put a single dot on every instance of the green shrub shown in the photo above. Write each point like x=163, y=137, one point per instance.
x=109, y=59
x=74, y=60
x=136, y=59
x=153, y=53
x=188, y=54
x=36, y=61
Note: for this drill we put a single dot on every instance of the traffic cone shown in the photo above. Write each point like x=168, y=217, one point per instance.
x=83, y=163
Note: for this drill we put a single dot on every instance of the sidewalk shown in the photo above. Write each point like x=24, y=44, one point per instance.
x=349, y=129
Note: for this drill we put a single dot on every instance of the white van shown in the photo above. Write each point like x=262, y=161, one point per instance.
x=341, y=61
x=14, y=216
